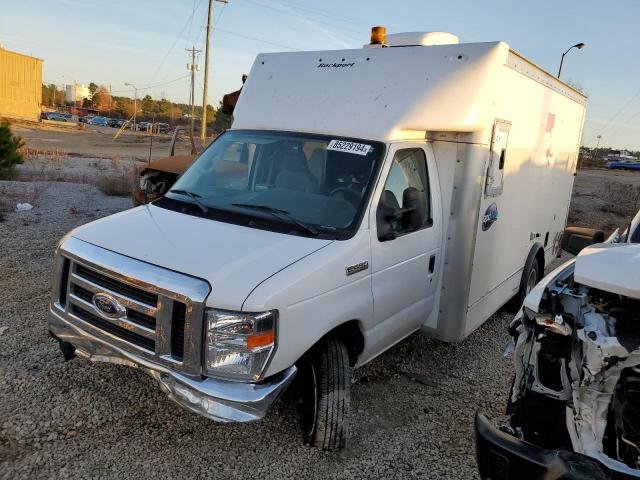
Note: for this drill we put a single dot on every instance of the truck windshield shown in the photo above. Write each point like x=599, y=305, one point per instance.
x=296, y=183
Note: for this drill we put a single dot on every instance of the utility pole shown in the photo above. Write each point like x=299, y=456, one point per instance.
x=109, y=100
x=203, y=128
x=595, y=154
x=135, y=104
x=192, y=67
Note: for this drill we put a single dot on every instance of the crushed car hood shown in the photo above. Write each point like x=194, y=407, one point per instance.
x=232, y=258
x=610, y=267
x=176, y=164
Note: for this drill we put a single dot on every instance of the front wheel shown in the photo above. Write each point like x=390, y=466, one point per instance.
x=325, y=396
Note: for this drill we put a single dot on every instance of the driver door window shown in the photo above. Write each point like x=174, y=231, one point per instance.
x=408, y=171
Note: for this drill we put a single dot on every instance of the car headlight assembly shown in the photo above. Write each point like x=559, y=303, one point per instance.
x=239, y=344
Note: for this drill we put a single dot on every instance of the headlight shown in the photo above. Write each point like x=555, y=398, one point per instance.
x=239, y=344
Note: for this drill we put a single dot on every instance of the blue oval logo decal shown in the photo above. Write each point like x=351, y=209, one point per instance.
x=108, y=306
x=490, y=217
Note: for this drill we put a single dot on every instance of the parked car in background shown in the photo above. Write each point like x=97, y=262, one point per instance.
x=143, y=126
x=100, y=121
x=57, y=117
x=115, y=122
x=161, y=127
x=624, y=165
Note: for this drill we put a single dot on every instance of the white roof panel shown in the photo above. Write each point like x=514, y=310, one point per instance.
x=373, y=93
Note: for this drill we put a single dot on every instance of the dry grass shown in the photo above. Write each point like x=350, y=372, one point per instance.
x=112, y=176
x=54, y=176
x=5, y=205
x=121, y=183
x=620, y=199
x=11, y=195
x=33, y=156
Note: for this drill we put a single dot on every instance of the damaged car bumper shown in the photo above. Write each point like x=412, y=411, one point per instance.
x=501, y=456
x=219, y=400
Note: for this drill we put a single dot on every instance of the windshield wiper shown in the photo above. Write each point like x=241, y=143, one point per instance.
x=278, y=213
x=192, y=196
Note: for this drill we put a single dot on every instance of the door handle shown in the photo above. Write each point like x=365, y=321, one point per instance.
x=432, y=263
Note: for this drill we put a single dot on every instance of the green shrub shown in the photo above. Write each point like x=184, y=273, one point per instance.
x=10, y=155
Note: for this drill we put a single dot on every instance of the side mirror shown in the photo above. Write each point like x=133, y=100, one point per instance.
x=411, y=216
x=413, y=211
x=574, y=239
x=384, y=221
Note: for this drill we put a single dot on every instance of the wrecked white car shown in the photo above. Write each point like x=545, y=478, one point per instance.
x=574, y=405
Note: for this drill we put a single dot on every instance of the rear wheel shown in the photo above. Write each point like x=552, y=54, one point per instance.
x=532, y=279
x=325, y=396
x=529, y=279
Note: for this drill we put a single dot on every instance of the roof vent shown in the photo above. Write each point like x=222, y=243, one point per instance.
x=415, y=39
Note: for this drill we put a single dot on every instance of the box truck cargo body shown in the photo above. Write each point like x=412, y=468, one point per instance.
x=503, y=136
x=360, y=196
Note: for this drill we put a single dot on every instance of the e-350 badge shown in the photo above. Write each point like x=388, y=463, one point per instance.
x=358, y=267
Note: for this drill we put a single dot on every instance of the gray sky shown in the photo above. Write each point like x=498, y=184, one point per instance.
x=143, y=42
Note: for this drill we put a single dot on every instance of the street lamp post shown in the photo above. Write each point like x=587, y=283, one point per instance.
x=135, y=103
x=579, y=46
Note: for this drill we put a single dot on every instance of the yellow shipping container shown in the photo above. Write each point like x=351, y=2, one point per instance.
x=20, y=85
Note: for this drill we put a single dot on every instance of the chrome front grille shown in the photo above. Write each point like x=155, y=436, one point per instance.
x=162, y=312
x=131, y=327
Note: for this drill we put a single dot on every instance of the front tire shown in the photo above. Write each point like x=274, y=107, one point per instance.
x=325, y=396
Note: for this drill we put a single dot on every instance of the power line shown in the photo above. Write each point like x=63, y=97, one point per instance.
x=330, y=14
x=166, y=55
x=191, y=18
x=279, y=10
x=215, y=24
x=256, y=39
x=599, y=132
x=626, y=125
x=154, y=86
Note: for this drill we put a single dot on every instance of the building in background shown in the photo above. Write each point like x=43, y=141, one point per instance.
x=76, y=93
x=619, y=156
x=20, y=85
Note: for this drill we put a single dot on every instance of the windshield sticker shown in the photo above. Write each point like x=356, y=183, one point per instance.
x=349, y=147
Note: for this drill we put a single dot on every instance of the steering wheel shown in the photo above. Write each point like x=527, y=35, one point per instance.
x=347, y=193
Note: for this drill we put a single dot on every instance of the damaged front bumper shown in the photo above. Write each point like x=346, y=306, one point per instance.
x=502, y=456
x=219, y=400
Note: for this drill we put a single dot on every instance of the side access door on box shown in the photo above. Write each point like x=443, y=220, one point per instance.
x=406, y=241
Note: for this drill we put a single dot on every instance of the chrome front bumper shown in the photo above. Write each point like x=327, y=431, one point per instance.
x=219, y=400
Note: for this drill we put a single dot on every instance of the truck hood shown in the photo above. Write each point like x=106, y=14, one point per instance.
x=612, y=267
x=232, y=258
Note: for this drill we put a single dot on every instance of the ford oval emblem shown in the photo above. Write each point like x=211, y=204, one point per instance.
x=108, y=306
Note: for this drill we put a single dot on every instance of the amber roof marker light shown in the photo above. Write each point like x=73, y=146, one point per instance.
x=378, y=35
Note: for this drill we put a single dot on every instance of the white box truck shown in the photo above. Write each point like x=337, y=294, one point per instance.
x=416, y=184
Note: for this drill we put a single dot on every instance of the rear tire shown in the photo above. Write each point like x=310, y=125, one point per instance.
x=325, y=396
x=529, y=279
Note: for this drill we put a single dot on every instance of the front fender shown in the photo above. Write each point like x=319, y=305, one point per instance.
x=315, y=295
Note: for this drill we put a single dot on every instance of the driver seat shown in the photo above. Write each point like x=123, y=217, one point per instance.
x=295, y=174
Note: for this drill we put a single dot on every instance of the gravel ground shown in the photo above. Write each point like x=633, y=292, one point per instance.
x=84, y=420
